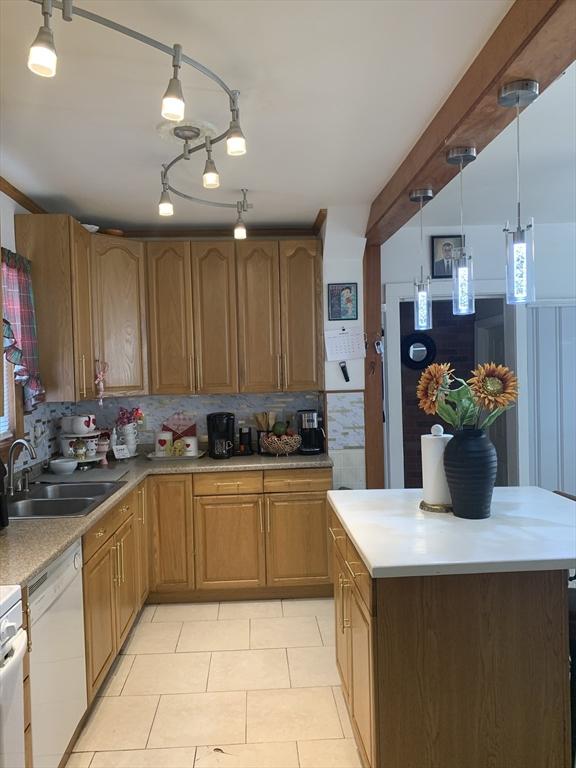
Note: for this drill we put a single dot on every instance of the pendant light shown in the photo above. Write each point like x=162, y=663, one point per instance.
x=42, y=57
x=520, y=288
x=210, y=177
x=165, y=207
x=240, y=227
x=235, y=141
x=422, y=292
x=463, y=298
x=173, y=99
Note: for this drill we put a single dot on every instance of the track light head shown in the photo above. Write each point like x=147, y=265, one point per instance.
x=173, y=104
x=235, y=141
x=165, y=207
x=42, y=58
x=210, y=177
x=240, y=227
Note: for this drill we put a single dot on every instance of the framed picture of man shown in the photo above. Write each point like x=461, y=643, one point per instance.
x=443, y=247
x=342, y=301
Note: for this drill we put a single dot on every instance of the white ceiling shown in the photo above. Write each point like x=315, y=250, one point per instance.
x=548, y=168
x=333, y=95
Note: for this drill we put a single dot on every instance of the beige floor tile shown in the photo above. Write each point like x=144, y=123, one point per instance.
x=118, y=722
x=80, y=760
x=187, y=612
x=194, y=719
x=116, y=678
x=248, y=670
x=225, y=635
x=323, y=606
x=153, y=638
x=327, y=625
x=332, y=753
x=248, y=756
x=284, y=633
x=147, y=613
x=292, y=715
x=310, y=667
x=251, y=609
x=181, y=757
x=168, y=673
x=343, y=712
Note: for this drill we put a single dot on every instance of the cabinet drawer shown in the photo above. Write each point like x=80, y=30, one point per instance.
x=337, y=533
x=359, y=574
x=104, y=528
x=297, y=480
x=226, y=483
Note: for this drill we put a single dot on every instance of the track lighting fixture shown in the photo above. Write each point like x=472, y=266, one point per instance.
x=422, y=292
x=463, y=296
x=173, y=100
x=240, y=228
x=520, y=287
x=42, y=58
x=235, y=141
x=210, y=177
x=165, y=207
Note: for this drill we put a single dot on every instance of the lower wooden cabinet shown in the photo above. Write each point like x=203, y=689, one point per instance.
x=171, y=533
x=142, y=528
x=361, y=675
x=297, y=539
x=342, y=615
x=127, y=598
x=229, y=536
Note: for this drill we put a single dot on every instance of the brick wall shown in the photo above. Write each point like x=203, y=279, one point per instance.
x=454, y=339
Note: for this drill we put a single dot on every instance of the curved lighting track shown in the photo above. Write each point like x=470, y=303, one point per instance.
x=178, y=58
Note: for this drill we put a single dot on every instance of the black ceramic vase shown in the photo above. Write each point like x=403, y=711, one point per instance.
x=470, y=462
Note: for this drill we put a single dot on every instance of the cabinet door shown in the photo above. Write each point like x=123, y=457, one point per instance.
x=301, y=315
x=258, y=316
x=127, y=603
x=361, y=693
x=172, y=551
x=170, y=318
x=119, y=313
x=215, y=329
x=342, y=618
x=229, y=536
x=297, y=539
x=80, y=260
x=142, y=544
x=99, y=575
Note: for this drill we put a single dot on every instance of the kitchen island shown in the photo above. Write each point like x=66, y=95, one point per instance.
x=451, y=634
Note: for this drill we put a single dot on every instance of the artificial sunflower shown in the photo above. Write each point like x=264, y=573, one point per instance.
x=493, y=386
x=434, y=380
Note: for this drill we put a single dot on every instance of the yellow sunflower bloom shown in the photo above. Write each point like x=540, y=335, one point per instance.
x=493, y=386
x=432, y=382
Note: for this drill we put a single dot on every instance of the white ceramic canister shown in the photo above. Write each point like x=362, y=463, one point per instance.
x=162, y=442
x=191, y=445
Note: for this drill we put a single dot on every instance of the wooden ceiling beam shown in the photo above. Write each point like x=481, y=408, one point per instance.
x=19, y=197
x=535, y=40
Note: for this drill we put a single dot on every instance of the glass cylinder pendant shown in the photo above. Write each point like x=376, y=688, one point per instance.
x=463, y=299
x=422, y=305
x=520, y=265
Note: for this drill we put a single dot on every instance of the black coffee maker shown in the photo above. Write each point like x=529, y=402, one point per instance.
x=311, y=432
x=220, y=435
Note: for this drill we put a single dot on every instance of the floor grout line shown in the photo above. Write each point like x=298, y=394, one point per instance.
x=152, y=723
x=209, y=668
x=128, y=675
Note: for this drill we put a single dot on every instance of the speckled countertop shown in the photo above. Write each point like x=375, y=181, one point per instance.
x=27, y=546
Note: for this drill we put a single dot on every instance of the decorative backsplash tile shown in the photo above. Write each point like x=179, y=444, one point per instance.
x=345, y=411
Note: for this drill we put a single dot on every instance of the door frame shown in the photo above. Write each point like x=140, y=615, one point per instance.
x=517, y=357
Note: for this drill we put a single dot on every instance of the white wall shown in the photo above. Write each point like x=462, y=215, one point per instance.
x=555, y=252
x=7, y=210
x=344, y=243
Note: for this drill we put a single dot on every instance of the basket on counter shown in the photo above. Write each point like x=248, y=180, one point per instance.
x=280, y=446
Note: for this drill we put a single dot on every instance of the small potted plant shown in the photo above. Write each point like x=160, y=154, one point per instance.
x=469, y=407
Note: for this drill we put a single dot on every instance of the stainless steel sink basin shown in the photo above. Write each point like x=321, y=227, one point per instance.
x=36, y=508
x=60, y=499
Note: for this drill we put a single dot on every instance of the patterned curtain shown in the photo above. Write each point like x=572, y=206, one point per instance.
x=20, y=333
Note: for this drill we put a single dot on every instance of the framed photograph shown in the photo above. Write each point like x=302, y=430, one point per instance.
x=342, y=301
x=443, y=247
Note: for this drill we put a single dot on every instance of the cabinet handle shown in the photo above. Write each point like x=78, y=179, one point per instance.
x=343, y=584
x=334, y=537
x=267, y=515
x=99, y=533
x=192, y=372
x=143, y=506
x=354, y=575
x=29, y=627
x=231, y=482
x=116, y=578
x=122, y=561
x=198, y=375
x=85, y=393
x=261, y=516
x=279, y=371
x=125, y=508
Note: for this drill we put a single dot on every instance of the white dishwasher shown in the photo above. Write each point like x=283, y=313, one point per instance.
x=57, y=659
x=12, y=650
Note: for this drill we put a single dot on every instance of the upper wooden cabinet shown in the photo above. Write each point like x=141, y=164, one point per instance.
x=170, y=336
x=59, y=248
x=301, y=315
x=259, y=347
x=119, y=313
x=214, y=303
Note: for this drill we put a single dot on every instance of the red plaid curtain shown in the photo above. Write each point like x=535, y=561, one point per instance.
x=20, y=334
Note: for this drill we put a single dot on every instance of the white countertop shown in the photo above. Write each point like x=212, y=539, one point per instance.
x=530, y=529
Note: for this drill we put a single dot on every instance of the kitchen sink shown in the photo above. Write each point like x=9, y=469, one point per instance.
x=60, y=500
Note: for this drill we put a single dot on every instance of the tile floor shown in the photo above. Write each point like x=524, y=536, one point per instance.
x=223, y=685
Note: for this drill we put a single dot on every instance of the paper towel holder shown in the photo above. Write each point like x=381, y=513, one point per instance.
x=425, y=507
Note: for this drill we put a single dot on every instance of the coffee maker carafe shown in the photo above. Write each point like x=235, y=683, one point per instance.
x=311, y=432
x=220, y=435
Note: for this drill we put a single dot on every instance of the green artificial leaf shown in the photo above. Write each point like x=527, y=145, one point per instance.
x=447, y=412
x=466, y=408
x=491, y=418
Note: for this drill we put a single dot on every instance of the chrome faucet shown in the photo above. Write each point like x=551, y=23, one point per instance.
x=32, y=452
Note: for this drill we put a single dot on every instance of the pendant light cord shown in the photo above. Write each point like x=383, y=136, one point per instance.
x=421, y=242
x=461, y=203
x=518, y=160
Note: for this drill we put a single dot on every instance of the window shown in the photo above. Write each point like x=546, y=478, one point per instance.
x=10, y=422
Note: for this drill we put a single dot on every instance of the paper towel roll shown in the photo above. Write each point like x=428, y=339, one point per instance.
x=434, y=483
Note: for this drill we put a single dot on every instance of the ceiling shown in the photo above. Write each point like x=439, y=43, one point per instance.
x=548, y=168
x=334, y=94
